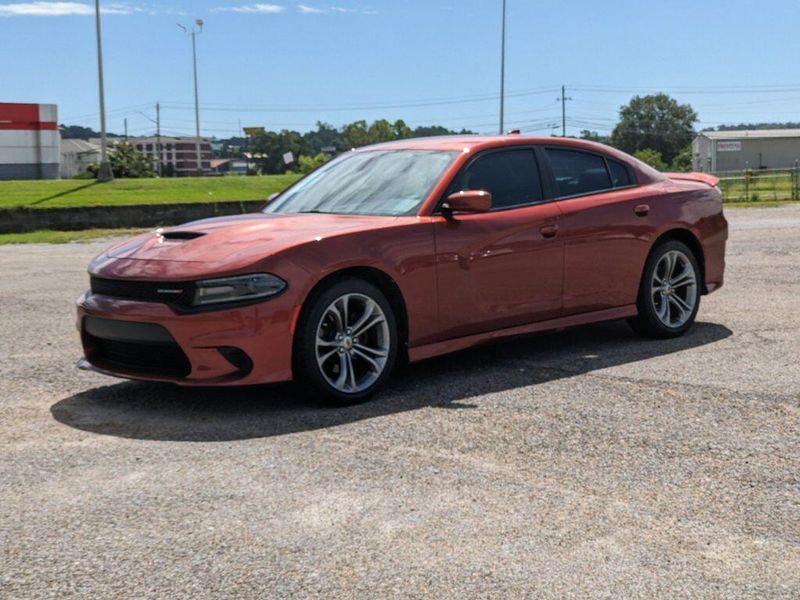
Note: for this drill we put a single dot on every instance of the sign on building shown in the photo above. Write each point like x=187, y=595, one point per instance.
x=735, y=146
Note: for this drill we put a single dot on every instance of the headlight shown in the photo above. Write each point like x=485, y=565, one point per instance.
x=236, y=289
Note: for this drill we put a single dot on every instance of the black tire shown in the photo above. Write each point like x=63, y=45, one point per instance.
x=648, y=323
x=309, y=376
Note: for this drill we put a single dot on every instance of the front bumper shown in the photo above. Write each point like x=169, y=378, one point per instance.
x=262, y=332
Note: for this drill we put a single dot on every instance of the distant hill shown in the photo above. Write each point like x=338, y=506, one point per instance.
x=76, y=132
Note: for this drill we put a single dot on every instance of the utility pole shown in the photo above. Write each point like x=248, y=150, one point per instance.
x=104, y=172
x=157, y=122
x=563, y=100
x=158, y=139
x=194, y=33
x=503, y=68
x=126, y=129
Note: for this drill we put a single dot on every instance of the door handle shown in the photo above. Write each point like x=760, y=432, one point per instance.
x=548, y=231
x=642, y=210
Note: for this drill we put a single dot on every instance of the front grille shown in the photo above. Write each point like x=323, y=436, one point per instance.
x=148, y=291
x=137, y=348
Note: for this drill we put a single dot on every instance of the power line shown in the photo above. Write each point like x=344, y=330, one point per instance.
x=688, y=90
x=363, y=107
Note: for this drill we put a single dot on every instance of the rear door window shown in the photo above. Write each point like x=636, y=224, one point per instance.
x=577, y=173
x=510, y=176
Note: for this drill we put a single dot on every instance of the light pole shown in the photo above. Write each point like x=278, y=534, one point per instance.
x=195, y=31
x=502, y=67
x=104, y=173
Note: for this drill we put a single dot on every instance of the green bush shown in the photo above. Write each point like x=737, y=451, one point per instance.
x=306, y=164
x=651, y=157
x=126, y=161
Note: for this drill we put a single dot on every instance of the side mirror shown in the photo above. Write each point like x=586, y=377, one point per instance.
x=468, y=201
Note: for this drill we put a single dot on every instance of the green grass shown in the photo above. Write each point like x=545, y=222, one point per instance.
x=48, y=236
x=759, y=204
x=125, y=192
x=769, y=186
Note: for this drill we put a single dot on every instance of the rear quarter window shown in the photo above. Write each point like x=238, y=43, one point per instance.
x=620, y=174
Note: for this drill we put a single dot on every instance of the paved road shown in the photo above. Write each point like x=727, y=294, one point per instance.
x=589, y=463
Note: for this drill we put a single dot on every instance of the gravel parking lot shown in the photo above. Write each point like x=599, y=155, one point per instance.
x=586, y=463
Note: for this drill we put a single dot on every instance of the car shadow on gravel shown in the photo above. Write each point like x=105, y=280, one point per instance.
x=151, y=411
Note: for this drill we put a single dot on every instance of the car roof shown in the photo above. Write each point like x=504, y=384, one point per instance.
x=475, y=143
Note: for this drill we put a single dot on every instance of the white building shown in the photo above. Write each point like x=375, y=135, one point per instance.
x=718, y=151
x=178, y=154
x=76, y=156
x=29, y=141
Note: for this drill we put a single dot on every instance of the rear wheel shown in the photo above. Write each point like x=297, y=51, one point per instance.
x=347, y=343
x=669, y=293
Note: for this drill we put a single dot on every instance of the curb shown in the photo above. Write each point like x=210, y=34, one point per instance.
x=22, y=219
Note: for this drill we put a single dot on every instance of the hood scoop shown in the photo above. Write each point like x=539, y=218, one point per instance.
x=180, y=235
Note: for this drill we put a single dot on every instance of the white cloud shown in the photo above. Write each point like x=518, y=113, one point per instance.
x=269, y=9
x=60, y=9
x=312, y=10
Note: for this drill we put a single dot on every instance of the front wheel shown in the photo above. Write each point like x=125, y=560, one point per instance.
x=669, y=293
x=346, y=344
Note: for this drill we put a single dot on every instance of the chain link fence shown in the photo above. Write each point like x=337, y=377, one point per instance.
x=764, y=185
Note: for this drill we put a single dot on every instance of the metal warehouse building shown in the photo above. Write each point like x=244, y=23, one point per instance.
x=29, y=141
x=718, y=151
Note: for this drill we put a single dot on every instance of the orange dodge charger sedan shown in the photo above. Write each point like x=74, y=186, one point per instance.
x=404, y=251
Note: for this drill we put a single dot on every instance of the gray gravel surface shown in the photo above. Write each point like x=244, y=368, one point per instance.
x=583, y=464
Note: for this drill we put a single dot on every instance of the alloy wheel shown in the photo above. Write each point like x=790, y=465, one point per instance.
x=352, y=343
x=674, y=289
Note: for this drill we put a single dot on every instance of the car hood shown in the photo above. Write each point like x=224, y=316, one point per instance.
x=223, y=245
x=228, y=239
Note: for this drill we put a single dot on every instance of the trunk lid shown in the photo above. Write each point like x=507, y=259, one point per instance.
x=706, y=178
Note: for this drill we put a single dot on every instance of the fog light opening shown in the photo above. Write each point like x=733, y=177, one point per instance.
x=238, y=358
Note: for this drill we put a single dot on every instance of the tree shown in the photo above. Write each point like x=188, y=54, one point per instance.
x=593, y=136
x=654, y=122
x=76, y=132
x=268, y=149
x=768, y=125
x=426, y=131
x=127, y=161
x=380, y=131
x=355, y=134
x=325, y=136
x=401, y=130
x=651, y=157
x=682, y=163
x=306, y=164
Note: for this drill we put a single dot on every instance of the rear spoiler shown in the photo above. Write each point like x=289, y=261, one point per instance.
x=701, y=177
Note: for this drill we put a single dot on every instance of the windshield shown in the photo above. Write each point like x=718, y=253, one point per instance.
x=378, y=182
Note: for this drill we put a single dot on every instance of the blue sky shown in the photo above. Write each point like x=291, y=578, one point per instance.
x=283, y=64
